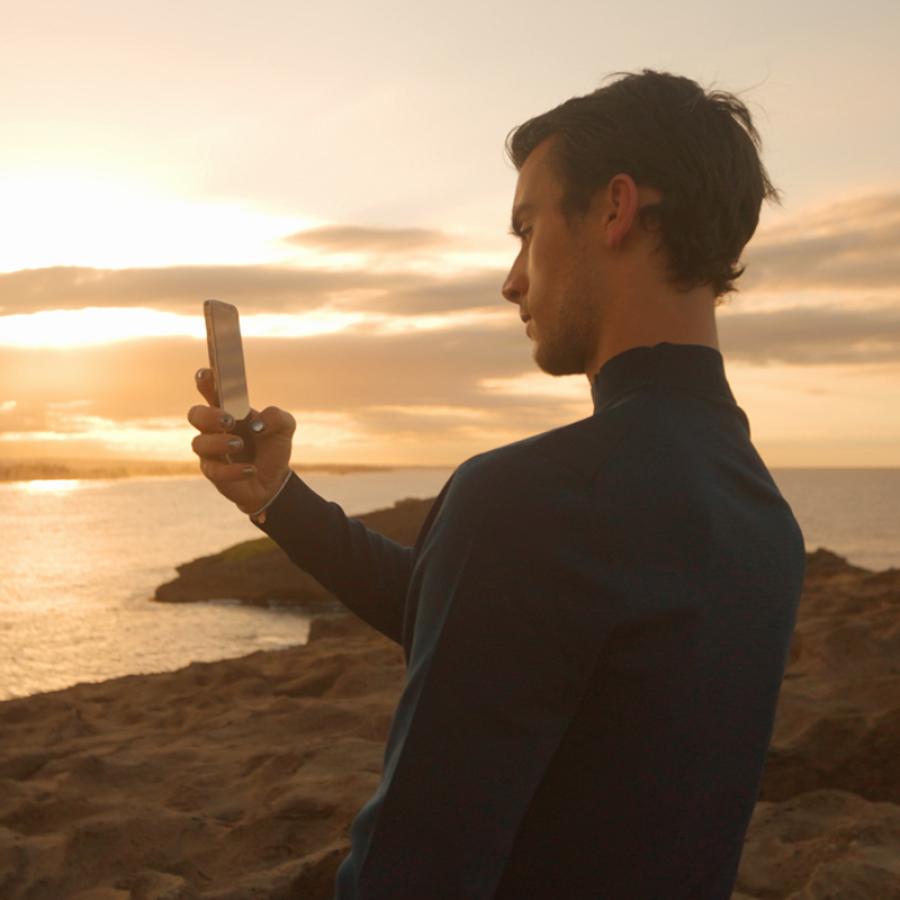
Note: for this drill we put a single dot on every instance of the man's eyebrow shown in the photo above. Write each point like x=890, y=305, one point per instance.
x=517, y=212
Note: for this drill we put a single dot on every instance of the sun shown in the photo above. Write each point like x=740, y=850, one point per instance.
x=84, y=217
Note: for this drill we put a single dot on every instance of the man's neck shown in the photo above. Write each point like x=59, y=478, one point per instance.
x=679, y=319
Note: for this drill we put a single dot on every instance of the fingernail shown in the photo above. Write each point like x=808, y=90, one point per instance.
x=257, y=425
x=227, y=420
x=248, y=470
x=236, y=443
x=200, y=374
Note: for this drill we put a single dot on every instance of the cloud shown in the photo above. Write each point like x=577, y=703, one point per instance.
x=437, y=386
x=362, y=239
x=379, y=381
x=179, y=288
x=339, y=371
x=463, y=292
x=350, y=375
x=849, y=245
x=255, y=289
x=823, y=335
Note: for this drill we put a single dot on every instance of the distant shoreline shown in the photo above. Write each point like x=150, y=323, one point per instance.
x=63, y=469
x=50, y=469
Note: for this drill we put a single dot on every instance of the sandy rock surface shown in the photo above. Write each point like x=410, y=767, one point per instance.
x=827, y=824
x=234, y=779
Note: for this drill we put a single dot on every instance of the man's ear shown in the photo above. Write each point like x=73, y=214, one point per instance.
x=622, y=197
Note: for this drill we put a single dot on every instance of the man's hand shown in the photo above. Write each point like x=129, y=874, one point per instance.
x=248, y=486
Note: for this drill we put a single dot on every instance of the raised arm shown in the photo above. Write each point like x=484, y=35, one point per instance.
x=366, y=571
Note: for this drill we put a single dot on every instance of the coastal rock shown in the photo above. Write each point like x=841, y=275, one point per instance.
x=822, y=845
x=255, y=572
x=260, y=573
x=827, y=823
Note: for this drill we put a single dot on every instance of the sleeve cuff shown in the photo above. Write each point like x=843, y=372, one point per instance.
x=259, y=516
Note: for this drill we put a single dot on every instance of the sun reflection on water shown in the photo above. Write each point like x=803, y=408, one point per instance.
x=50, y=485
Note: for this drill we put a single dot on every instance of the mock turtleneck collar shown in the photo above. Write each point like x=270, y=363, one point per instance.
x=694, y=367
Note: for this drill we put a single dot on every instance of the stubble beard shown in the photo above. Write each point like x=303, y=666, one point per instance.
x=567, y=345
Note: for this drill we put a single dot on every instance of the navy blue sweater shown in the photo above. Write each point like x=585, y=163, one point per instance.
x=596, y=622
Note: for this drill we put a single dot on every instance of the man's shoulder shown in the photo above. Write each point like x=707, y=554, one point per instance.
x=629, y=464
x=639, y=454
x=569, y=453
x=547, y=465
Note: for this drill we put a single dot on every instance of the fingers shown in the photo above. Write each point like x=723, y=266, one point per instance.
x=214, y=446
x=222, y=471
x=210, y=419
x=206, y=385
x=213, y=420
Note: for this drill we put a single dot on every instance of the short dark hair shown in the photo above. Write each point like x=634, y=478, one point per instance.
x=700, y=150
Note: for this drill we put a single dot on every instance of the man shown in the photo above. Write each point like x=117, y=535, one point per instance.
x=595, y=619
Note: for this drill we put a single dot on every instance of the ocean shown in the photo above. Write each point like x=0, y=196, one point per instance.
x=81, y=560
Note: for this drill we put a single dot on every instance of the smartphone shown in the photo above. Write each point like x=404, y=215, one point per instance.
x=226, y=359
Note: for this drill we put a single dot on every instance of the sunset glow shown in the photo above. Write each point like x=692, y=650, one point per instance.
x=92, y=326
x=50, y=485
x=55, y=216
x=358, y=220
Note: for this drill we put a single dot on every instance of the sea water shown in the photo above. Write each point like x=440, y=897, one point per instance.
x=81, y=560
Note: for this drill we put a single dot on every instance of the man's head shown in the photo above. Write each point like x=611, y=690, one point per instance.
x=634, y=203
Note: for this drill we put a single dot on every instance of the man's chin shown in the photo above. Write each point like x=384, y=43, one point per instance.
x=555, y=366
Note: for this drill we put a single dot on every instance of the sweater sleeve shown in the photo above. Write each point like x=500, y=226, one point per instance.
x=506, y=641
x=366, y=571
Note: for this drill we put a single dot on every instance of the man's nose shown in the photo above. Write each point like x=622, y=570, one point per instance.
x=515, y=286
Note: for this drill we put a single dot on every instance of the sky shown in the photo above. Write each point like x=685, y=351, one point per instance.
x=337, y=171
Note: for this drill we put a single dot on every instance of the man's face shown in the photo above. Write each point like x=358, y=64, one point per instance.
x=552, y=278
